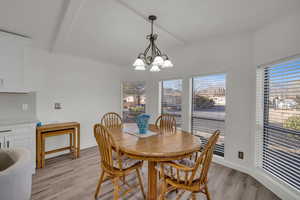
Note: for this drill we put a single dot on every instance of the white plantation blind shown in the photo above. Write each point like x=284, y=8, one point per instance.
x=278, y=120
x=208, y=108
x=171, y=91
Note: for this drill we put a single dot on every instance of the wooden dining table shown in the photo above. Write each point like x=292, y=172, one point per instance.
x=156, y=148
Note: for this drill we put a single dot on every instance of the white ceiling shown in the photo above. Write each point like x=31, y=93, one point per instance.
x=114, y=30
x=36, y=18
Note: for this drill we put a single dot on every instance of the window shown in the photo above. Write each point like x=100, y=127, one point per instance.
x=134, y=100
x=208, y=108
x=171, y=99
x=280, y=120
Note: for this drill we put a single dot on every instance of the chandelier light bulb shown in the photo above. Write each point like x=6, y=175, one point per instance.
x=158, y=60
x=154, y=68
x=138, y=62
x=167, y=64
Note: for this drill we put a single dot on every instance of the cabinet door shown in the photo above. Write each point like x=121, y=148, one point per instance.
x=9, y=141
x=1, y=142
x=28, y=144
x=11, y=62
x=23, y=143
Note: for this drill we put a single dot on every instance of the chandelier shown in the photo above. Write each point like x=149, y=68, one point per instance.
x=152, y=57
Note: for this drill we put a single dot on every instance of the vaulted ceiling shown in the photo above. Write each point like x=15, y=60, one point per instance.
x=114, y=30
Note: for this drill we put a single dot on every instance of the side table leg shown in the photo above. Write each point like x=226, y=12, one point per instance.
x=78, y=141
x=38, y=149
x=71, y=143
x=43, y=152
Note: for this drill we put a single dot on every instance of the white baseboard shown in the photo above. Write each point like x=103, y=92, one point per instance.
x=222, y=161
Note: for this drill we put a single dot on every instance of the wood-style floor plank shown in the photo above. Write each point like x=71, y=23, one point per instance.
x=67, y=179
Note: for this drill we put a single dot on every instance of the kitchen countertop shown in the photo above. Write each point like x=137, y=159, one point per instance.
x=10, y=122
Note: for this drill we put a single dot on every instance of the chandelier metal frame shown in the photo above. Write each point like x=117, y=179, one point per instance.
x=152, y=37
x=152, y=54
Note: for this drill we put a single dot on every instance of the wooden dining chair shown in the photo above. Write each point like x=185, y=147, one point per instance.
x=166, y=123
x=189, y=178
x=117, y=167
x=112, y=120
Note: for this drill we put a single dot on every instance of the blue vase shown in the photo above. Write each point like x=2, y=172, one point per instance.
x=142, y=122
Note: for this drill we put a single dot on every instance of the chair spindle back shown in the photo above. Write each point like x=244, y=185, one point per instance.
x=166, y=123
x=112, y=120
x=206, y=157
x=105, y=143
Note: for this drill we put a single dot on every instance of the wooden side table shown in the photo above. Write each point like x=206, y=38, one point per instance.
x=42, y=132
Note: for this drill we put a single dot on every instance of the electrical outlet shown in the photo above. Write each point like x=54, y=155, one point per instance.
x=57, y=106
x=241, y=155
x=24, y=106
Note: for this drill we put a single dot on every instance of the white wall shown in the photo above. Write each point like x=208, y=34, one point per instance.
x=231, y=55
x=278, y=40
x=238, y=56
x=86, y=89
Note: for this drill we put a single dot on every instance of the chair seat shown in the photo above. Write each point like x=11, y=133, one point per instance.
x=126, y=162
x=194, y=187
x=186, y=161
x=172, y=174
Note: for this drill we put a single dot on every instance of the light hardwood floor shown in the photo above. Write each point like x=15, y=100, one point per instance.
x=67, y=179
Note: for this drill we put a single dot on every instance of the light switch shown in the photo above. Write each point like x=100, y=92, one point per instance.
x=241, y=155
x=57, y=106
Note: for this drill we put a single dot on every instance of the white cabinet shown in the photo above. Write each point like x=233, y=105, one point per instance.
x=12, y=62
x=9, y=141
x=6, y=139
x=19, y=136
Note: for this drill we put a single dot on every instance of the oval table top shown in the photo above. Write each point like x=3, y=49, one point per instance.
x=160, y=147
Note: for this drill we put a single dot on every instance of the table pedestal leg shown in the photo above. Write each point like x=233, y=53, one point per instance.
x=152, y=181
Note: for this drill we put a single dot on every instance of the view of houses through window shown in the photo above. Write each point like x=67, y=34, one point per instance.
x=208, y=108
x=171, y=99
x=281, y=121
x=134, y=100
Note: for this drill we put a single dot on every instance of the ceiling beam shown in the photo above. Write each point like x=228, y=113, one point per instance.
x=176, y=37
x=69, y=15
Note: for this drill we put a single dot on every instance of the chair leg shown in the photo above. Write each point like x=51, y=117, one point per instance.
x=99, y=184
x=163, y=190
x=140, y=182
x=180, y=195
x=193, y=196
x=206, y=192
x=116, y=188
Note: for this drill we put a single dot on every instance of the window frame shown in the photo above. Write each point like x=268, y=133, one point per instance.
x=261, y=109
x=161, y=93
